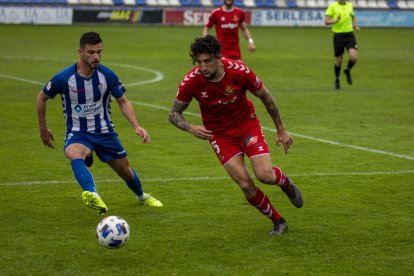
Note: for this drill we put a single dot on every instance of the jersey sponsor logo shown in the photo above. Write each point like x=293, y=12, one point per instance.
x=230, y=26
x=85, y=110
x=237, y=66
x=229, y=90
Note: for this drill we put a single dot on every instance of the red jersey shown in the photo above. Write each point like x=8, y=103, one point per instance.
x=227, y=25
x=223, y=104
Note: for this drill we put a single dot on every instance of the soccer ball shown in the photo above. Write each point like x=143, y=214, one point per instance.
x=112, y=232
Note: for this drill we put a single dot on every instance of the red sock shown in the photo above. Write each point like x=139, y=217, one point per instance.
x=263, y=204
x=280, y=178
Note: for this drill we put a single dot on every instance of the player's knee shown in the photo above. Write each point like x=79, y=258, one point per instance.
x=266, y=177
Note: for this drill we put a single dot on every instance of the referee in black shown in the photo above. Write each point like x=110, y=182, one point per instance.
x=340, y=14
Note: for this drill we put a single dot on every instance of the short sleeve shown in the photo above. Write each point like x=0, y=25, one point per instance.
x=53, y=87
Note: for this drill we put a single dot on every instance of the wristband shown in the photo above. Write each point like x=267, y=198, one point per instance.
x=251, y=41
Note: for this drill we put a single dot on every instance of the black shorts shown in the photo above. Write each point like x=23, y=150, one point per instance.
x=342, y=41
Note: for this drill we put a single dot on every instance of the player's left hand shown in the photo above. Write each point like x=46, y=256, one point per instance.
x=144, y=134
x=284, y=138
x=252, y=47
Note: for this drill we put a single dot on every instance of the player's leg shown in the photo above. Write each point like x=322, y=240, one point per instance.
x=339, y=51
x=352, y=47
x=123, y=169
x=268, y=174
x=77, y=148
x=237, y=170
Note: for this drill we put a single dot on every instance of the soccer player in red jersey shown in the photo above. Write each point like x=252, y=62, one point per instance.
x=231, y=126
x=227, y=20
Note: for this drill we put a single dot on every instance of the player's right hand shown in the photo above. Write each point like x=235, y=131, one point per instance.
x=47, y=137
x=200, y=132
x=338, y=19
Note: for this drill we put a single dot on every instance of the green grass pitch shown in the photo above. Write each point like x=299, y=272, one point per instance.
x=353, y=158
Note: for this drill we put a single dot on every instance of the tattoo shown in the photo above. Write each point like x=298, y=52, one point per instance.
x=176, y=115
x=271, y=107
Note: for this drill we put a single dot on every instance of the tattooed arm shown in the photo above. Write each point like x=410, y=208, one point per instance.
x=271, y=107
x=176, y=118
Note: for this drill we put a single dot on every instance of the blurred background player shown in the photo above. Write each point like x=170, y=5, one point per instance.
x=227, y=20
x=86, y=89
x=340, y=14
x=231, y=125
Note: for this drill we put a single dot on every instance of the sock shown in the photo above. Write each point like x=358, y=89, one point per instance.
x=337, y=71
x=263, y=204
x=83, y=175
x=281, y=180
x=135, y=185
x=350, y=64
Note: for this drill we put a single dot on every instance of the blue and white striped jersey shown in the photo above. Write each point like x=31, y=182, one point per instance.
x=86, y=101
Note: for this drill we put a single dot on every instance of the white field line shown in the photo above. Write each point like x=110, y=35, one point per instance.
x=159, y=76
x=208, y=178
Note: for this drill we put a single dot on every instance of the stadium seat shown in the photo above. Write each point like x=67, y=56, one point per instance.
x=291, y=4
x=249, y=3
x=372, y=4
x=382, y=4
x=239, y=3
x=322, y=3
x=265, y=3
x=392, y=4
x=362, y=4
x=217, y=3
x=280, y=3
x=190, y=3
x=311, y=4
x=410, y=4
x=107, y=2
x=300, y=3
x=402, y=4
x=206, y=3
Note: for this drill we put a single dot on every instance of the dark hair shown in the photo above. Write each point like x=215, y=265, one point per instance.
x=205, y=45
x=91, y=38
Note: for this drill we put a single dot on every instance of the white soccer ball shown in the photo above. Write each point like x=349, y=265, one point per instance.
x=112, y=232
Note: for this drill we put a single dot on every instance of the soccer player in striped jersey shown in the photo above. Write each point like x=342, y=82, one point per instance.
x=231, y=126
x=86, y=89
x=227, y=20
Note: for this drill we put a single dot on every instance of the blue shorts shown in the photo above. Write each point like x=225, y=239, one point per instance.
x=106, y=145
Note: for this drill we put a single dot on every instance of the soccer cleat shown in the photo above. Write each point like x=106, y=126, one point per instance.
x=89, y=160
x=337, y=84
x=150, y=201
x=93, y=200
x=280, y=227
x=293, y=193
x=347, y=73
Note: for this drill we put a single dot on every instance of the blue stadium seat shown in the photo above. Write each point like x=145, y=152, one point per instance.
x=392, y=4
x=265, y=3
x=239, y=3
x=291, y=4
x=55, y=2
x=190, y=3
x=217, y=3
x=141, y=2
x=118, y=2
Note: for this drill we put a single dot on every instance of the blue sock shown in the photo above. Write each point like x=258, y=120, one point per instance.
x=135, y=184
x=83, y=175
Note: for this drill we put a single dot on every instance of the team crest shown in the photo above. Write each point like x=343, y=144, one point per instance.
x=236, y=18
x=229, y=90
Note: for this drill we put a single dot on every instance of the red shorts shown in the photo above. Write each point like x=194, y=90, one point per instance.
x=249, y=140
